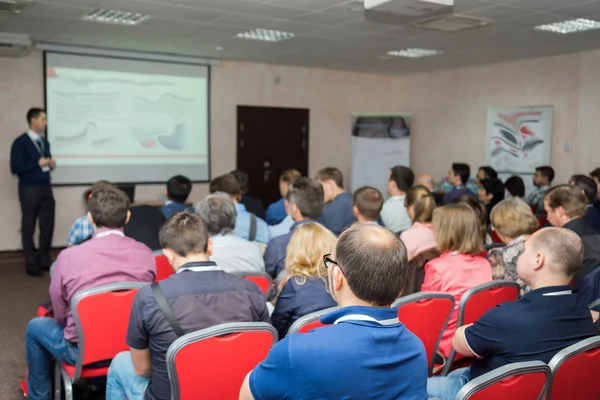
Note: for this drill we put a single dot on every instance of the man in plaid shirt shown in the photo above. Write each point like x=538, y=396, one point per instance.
x=542, y=179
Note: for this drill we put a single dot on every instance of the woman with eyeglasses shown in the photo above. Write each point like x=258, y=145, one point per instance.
x=303, y=289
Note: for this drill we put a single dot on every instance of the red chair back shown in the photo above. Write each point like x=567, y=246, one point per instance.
x=101, y=316
x=437, y=307
x=262, y=280
x=518, y=381
x=212, y=363
x=495, y=237
x=309, y=321
x=163, y=268
x=575, y=372
x=541, y=222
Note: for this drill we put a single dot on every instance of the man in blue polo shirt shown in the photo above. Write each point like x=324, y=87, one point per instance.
x=337, y=214
x=365, y=352
x=535, y=327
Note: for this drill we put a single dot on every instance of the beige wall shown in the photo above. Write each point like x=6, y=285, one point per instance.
x=448, y=108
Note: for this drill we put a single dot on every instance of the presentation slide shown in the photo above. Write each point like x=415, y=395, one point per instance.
x=126, y=120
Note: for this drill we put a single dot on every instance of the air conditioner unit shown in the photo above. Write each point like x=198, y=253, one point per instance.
x=14, y=44
x=13, y=6
x=399, y=12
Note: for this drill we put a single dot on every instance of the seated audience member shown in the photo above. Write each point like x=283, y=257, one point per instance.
x=303, y=288
x=199, y=295
x=542, y=179
x=304, y=200
x=144, y=224
x=420, y=236
x=460, y=267
x=368, y=202
x=82, y=228
x=491, y=192
x=535, y=327
x=231, y=253
x=177, y=192
x=481, y=212
x=276, y=212
x=426, y=180
x=566, y=207
x=513, y=222
x=365, y=352
x=108, y=257
x=253, y=205
x=394, y=214
x=589, y=189
x=458, y=175
x=485, y=172
x=337, y=214
x=247, y=225
x=515, y=187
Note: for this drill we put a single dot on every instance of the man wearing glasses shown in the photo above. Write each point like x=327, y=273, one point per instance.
x=364, y=352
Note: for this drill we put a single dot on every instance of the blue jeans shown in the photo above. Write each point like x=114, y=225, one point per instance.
x=446, y=387
x=44, y=340
x=122, y=382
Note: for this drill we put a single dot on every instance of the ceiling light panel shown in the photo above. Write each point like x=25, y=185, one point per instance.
x=570, y=26
x=413, y=53
x=266, y=35
x=115, y=17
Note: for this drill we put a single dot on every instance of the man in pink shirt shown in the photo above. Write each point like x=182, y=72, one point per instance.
x=108, y=257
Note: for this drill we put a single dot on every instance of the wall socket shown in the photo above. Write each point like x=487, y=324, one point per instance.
x=568, y=146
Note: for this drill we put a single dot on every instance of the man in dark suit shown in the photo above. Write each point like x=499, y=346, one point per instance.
x=253, y=204
x=31, y=161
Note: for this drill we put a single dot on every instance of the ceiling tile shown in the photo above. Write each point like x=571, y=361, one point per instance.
x=581, y=11
x=298, y=27
x=549, y=5
x=83, y=3
x=498, y=13
x=327, y=18
x=139, y=6
x=311, y=5
x=274, y=11
x=191, y=13
x=50, y=11
x=239, y=6
x=244, y=21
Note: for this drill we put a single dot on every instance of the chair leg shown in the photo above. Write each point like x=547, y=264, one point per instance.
x=57, y=381
x=68, y=385
x=449, y=363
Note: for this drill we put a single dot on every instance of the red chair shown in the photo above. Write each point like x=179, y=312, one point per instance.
x=575, y=372
x=309, y=321
x=437, y=307
x=101, y=315
x=475, y=302
x=518, y=381
x=541, y=222
x=262, y=280
x=495, y=237
x=163, y=268
x=212, y=363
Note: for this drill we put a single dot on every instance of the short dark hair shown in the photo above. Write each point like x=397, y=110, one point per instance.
x=108, y=206
x=34, y=113
x=587, y=184
x=515, y=186
x=369, y=202
x=242, y=178
x=331, y=173
x=495, y=187
x=374, y=262
x=307, y=195
x=463, y=170
x=595, y=173
x=179, y=188
x=184, y=233
x=218, y=213
x=226, y=183
x=403, y=176
x=489, y=171
x=547, y=172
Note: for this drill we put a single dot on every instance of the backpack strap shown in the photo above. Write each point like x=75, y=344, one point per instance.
x=252, y=232
x=166, y=309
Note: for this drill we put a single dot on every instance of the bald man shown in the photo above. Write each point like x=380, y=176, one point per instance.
x=426, y=180
x=535, y=327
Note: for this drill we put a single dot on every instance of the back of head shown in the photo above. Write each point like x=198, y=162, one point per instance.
x=109, y=207
x=515, y=186
x=307, y=195
x=374, y=262
x=513, y=218
x=562, y=249
x=423, y=203
x=218, y=213
x=473, y=204
x=489, y=171
x=495, y=187
x=226, y=183
x=331, y=173
x=587, y=185
x=426, y=180
x=369, y=202
x=304, y=255
x=463, y=171
x=179, y=188
x=290, y=175
x=595, y=174
x=97, y=185
x=547, y=172
x=185, y=234
x=403, y=177
x=458, y=229
x=569, y=198
x=242, y=178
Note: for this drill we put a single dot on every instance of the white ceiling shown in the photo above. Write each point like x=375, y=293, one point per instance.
x=329, y=33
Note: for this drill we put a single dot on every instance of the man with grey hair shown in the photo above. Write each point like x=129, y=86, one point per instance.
x=231, y=253
x=535, y=327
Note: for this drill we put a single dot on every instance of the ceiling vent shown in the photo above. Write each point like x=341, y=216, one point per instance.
x=14, y=44
x=451, y=23
x=13, y=6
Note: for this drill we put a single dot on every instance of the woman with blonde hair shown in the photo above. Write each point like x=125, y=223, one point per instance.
x=420, y=204
x=303, y=289
x=459, y=267
x=513, y=221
